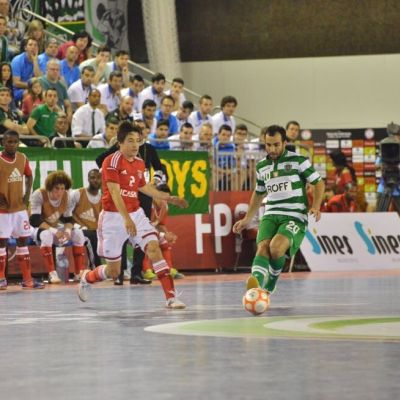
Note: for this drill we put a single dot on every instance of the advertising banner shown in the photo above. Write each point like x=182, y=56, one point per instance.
x=188, y=172
x=353, y=242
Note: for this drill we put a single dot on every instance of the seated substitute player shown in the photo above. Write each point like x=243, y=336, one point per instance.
x=51, y=216
x=14, y=220
x=122, y=217
x=281, y=177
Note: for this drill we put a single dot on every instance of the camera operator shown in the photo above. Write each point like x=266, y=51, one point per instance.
x=389, y=163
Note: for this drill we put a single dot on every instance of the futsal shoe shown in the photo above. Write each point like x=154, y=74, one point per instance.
x=138, y=280
x=174, y=303
x=176, y=274
x=149, y=274
x=3, y=284
x=84, y=288
x=53, y=277
x=252, y=283
x=31, y=285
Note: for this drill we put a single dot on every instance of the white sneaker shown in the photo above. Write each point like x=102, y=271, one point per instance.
x=76, y=278
x=174, y=303
x=84, y=288
x=53, y=277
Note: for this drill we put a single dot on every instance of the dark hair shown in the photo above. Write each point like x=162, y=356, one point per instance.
x=148, y=103
x=115, y=74
x=57, y=178
x=51, y=89
x=125, y=129
x=272, y=130
x=228, y=99
x=178, y=80
x=87, y=68
x=205, y=97
x=3, y=18
x=121, y=53
x=167, y=97
x=187, y=125
x=339, y=159
x=157, y=77
x=82, y=35
x=292, y=123
x=5, y=89
x=163, y=187
x=188, y=104
x=163, y=122
x=112, y=120
x=94, y=170
x=104, y=48
x=241, y=127
x=136, y=78
x=9, y=83
x=224, y=128
x=10, y=132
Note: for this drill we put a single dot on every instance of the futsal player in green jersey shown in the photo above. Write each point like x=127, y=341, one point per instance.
x=281, y=179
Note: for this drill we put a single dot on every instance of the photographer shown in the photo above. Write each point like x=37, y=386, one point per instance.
x=389, y=163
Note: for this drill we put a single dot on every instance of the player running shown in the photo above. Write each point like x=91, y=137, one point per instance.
x=281, y=179
x=122, y=217
x=14, y=220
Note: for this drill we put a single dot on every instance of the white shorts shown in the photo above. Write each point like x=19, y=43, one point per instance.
x=111, y=233
x=15, y=225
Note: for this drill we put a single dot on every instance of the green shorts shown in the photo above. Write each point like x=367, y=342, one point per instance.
x=292, y=228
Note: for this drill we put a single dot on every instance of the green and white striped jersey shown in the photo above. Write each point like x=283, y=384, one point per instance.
x=284, y=183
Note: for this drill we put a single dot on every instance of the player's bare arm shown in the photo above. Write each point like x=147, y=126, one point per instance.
x=319, y=189
x=151, y=191
x=114, y=189
x=254, y=205
x=28, y=189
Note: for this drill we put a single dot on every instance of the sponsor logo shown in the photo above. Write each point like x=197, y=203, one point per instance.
x=288, y=167
x=15, y=176
x=329, y=244
x=278, y=187
x=128, y=193
x=124, y=172
x=88, y=215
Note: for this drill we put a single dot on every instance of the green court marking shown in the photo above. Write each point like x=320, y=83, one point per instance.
x=301, y=327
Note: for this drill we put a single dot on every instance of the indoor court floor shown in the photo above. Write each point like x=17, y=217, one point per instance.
x=326, y=336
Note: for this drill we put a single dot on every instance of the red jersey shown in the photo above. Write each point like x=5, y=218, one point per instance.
x=338, y=203
x=130, y=177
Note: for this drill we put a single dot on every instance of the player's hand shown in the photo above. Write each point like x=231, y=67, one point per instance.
x=239, y=225
x=130, y=227
x=178, y=201
x=170, y=237
x=316, y=213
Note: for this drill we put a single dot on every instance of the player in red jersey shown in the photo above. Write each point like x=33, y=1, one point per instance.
x=122, y=218
x=14, y=220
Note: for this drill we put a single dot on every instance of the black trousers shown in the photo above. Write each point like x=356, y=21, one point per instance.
x=92, y=236
x=138, y=257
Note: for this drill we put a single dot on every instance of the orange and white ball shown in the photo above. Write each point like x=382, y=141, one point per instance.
x=256, y=301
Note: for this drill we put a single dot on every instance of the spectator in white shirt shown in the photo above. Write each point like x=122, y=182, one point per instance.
x=99, y=63
x=183, y=113
x=148, y=115
x=176, y=92
x=198, y=118
x=88, y=120
x=225, y=116
x=111, y=91
x=154, y=92
x=79, y=91
x=120, y=64
x=136, y=85
x=104, y=140
x=203, y=141
x=184, y=139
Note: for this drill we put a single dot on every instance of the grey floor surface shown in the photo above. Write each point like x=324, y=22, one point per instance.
x=54, y=347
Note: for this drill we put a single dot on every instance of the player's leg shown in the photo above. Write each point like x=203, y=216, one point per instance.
x=259, y=269
x=78, y=250
x=46, y=239
x=5, y=233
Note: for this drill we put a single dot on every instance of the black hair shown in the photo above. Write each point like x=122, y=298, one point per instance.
x=82, y=35
x=188, y=104
x=10, y=133
x=186, y=125
x=136, y=78
x=157, y=77
x=205, y=97
x=241, y=127
x=339, y=159
x=167, y=97
x=272, y=130
x=148, y=103
x=117, y=74
x=224, y=128
x=104, y=48
x=121, y=53
x=228, y=99
x=178, y=80
x=88, y=68
x=292, y=123
x=125, y=129
x=163, y=122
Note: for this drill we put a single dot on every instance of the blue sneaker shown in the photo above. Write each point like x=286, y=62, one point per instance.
x=3, y=284
x=32, y=285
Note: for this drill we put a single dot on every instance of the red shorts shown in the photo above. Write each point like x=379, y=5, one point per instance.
x=14, y=225
x=111, y=233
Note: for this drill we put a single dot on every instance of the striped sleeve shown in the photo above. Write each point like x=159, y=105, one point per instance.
x=110, y=167
x=308, y=172
x=260, y=184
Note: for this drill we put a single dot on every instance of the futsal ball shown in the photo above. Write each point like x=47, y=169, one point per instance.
x=256, y=301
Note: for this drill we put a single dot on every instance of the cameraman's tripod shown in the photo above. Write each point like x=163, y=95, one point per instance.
x=386, y=198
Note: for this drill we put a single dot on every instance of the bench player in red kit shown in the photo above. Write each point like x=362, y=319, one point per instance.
x=14, y=220
x=122, y=218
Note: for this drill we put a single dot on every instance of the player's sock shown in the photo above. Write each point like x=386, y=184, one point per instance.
x=24, y=262
x=167, y=254
x=47, y=254
x=259, y=269
x=97, y=275
x=274, y=271
x=162, y=270
x=79, y=258
x=3, y=262
x=146, y=264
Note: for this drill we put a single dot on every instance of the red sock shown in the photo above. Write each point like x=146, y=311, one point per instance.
x=146, y=264
x=3, y=262
x=47, y=254
x=79, y=258
x=167, y=254
x=162, y=270
x=24, y=262
x=97, y=275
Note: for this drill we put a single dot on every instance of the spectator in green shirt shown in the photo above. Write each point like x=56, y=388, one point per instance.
x=43, y=118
